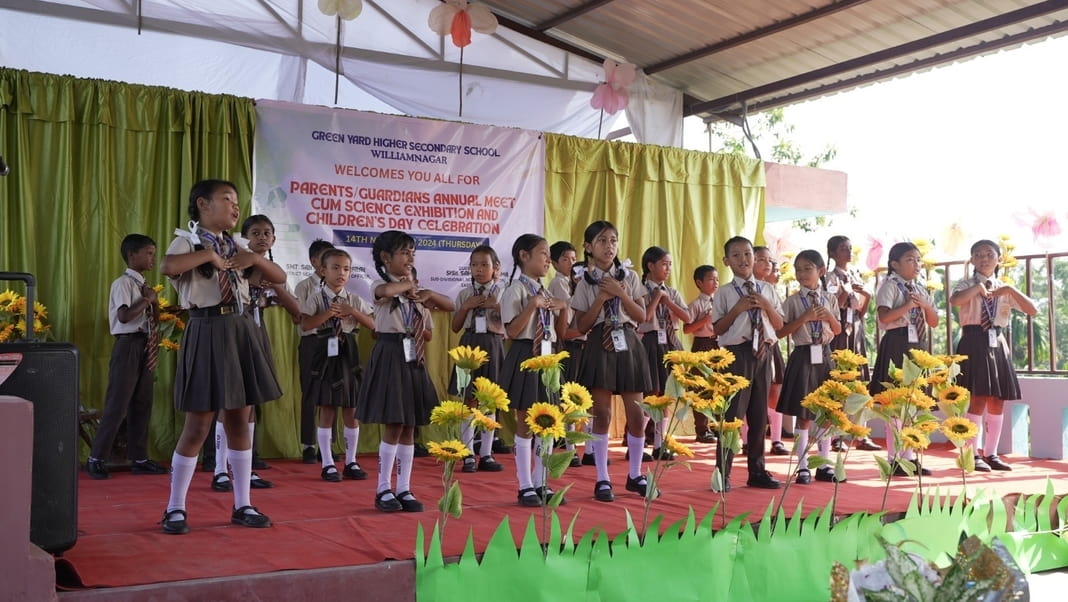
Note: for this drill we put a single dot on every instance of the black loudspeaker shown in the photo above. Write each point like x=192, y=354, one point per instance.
x=46, y=374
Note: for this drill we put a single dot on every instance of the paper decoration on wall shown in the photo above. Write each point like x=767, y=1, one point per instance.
x=611, y=95
x=1043, y=225
x=457, y=18
x=875, y=253
x=343, y=9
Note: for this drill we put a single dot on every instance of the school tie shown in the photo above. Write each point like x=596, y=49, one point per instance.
x=663, y=317
x=845, y=280
x=152, y=346
x=539, y=328
x=418, y=331
x=480, y=311
x=917, y=318
x=338, y=328
x=226, y=288
x=986, y=320
x=816, y=328
x=756, y=318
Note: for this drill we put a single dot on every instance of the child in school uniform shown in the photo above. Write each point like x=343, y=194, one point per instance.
x=305, y=289
x=706, y=279
x=223, y=365
x=766, y=269
x=906, y=315
x=335, y=315
x=478, y=315
x=609, y=301
x=396, y=390
x=812, y=321
x=984, y=305
x=562, y=286
x=664, y=307
x=133, y=316
x=531, y=322
x=746, y=314
x=853, y=299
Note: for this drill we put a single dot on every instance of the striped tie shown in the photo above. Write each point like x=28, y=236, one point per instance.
x=419, y=332
x=756, y=318
x=226, y=288
x=916, y=316
x=338, y=328
x=152, y=346
x=987, y=320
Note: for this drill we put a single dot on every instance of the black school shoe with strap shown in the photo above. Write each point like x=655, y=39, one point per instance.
x=258, y=482
x=488, y=464
x=146, y=467
x=640, y=486
x=763, y=480
x=173, y=522
x=97, y=469
x=221, y=482
x=470, y=465
x=330, y=474
x=997, y=463
x=602, y=491
x=826, y=474
x=255, y=519
x=529, y=498
x=546, y=494
x=409, y=503
x=354, y=472
x=804, y=477
x=386, y=501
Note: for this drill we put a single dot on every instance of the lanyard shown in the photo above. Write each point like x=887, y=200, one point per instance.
x=754, y=314
x=815, y=327
x=537, y=289
x=611, y=307
x=335, y=321
x=914, y=313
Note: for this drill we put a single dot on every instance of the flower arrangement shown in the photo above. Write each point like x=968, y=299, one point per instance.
x=13, y=318
x=171, y=323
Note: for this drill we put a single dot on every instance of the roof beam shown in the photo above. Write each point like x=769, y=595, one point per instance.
x=720, y=105
x=753, y=35
x=547, y=39
x=566, y=16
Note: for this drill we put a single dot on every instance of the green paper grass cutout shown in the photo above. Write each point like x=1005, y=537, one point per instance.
x=695, y=563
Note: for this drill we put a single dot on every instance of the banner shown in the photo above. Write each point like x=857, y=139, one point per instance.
x=345, y=176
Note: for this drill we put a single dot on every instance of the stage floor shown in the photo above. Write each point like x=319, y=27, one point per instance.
x=319, y=524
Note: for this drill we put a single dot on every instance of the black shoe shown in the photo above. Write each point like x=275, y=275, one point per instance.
x=981, y=465
x=308, y=455
x=763, y=480
x=546, y=494
x=330, y=474
x=826, y=474
x=804, y=477
x=866, y=444
x=259, y=464
x=838, y=445
x=146, y=467
x=602, y=492
x=997, y=463
x=387, y=505
x=221, y=482
x=529, y=498
x=645, y=456
x=591, y=460
x=899, y=471
x=253, y=519
x=409, y=503
x=258, y=482
x=173, y=522
x=488, y=464
x=708, y=437
x=97, y=469
x=778, y=449
x=354, y=472
x=499, y=447
x=575, y=462
x=470, y=465
x=640, y=486
x=663, y=454
x=421, y=451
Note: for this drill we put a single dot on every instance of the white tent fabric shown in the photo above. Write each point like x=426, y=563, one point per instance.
x=285, y=50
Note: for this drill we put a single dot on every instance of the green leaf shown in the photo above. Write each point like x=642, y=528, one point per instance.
x=673, y=388
x=908, y=465
x=454, y=500
x=918, y=586
x=855, y=402
x=839, y=468
x=885, y=471
x=574, y=437
x=815, y=462
x=559, y=462
x=463, y=379
x=651, y=492
x=911, y=371
x=717, y=480
x=655, y=414
x=558, y=496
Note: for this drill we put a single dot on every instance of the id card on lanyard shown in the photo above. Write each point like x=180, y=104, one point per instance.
x=754, y=318
x=408, y=310
x=990, y=306
x=543, y=316
x=815, y=332
x=914, y=334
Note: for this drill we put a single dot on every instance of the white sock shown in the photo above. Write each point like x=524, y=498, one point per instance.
x=241, y=462
x=775, y=420
x=992, y=438
x=405, y=459
x=658, y=436
x=387, y=457
x=824, y=446
x=487, y=439
x=221, y=446
x=974, y=441
x=600, y=454
x=182, y=470
x=467, y=434
x=323, y=434
x=570, y=446
x=635, y=447
x=801, y=442
x=537, y=473
x=352, y=439
x=523, y=450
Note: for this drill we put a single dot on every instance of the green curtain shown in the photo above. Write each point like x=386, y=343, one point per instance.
x=687, y=202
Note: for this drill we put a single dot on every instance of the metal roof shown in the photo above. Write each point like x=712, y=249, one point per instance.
x=732, y=56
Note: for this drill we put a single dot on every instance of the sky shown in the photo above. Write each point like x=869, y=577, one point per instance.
x=962, y=152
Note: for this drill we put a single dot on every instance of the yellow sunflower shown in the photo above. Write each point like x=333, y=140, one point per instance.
x=835, y=389
x=938, y=377
x=685, y=358
x=955, y=395
x=483, y=422
x=546, y=420
x=164, y=303
x=958, y=429
x=727, y=425
x=927, y=426
x=574, y=414
x=7, y=298
x=544, y=362
x=685, y=377
x=576, y=394
x=658, y=401
x=817, y=401
x=168, y=344
x=845, y=375
x=468, y=358
x=847, y=359
x=952, y=359
x=677, y=448
x=167, y=317
x=490, y=395
x=449, y=413
x=448, y=450
x=925, y=360
x=7, y=332
x=922, y=400
x=734, y=383
x=719, y=359
x=914, y=438
x=857, y=431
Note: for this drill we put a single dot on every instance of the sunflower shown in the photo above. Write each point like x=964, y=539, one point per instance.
x=449, y=413
x=467, y=357
x=7, y=298
x=450, y=450
x=835, y=390
x=734, y=383
x=7, y=332
x=938, y=377
x=576, y=394
x=483, y=422
x=922, y=400
x=686, y=378
x=544, y=362
x=727, y=425
x=164, y=303
x=168, y=344
x=165, y=317
x=546, y=420
x=955, y=394
x=847, y=359
x=574, y=414
x=685, y=358
x=857, y=431
x=817, y=401
x=927, y=426
x=914, y=438
x=677, y=448
x=489, y=395
x=719, y=359
x=952, y=359
x=925, y=360
x=659, y=402
x=845, y=375
x=958, y=429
